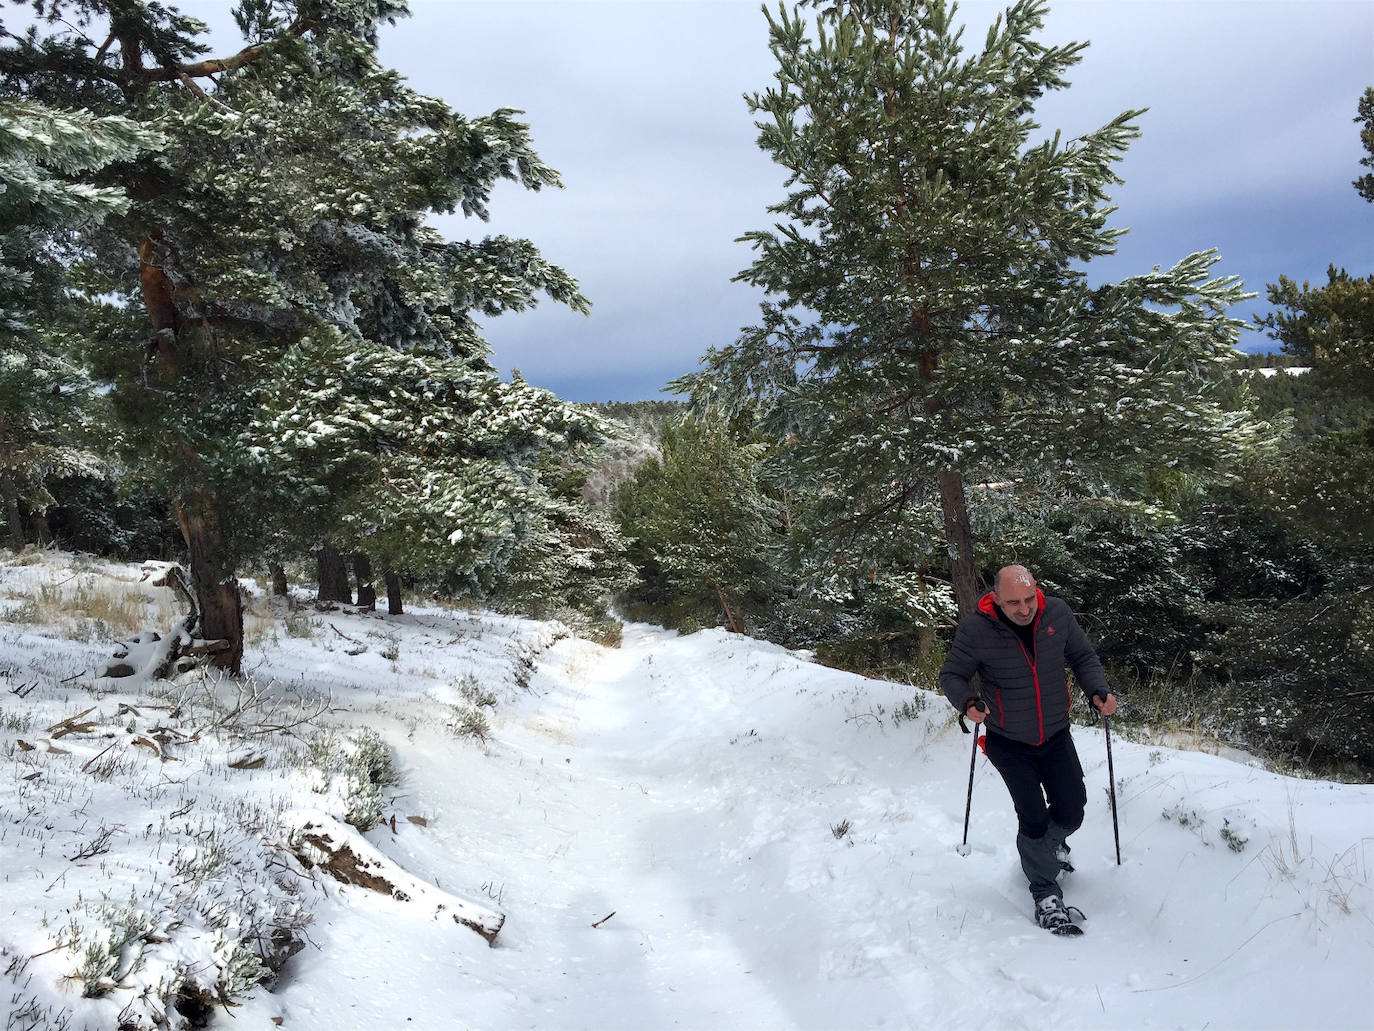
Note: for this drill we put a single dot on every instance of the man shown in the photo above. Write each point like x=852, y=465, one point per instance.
x=1019, y=643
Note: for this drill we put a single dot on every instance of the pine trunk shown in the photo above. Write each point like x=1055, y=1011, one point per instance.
x=42, y=532
x=735, y=625
x=362, y=572
x=11, y=497
x=393, y=593
x=217, y=592
x=278, y=573
x=333, y=575
x=963, y=571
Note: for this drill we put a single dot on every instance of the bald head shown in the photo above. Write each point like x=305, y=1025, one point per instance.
x=1015, y=594
x=1017, y=575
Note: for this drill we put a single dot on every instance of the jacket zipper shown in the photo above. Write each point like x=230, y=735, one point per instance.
x=1035, y=675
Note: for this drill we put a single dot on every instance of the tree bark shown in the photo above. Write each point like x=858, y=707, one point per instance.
x=959, y=539
x=220, y=605
x=217, y=592
x=342, y=852
x=729, y=614
x=42, y=532
x=362, y=572
x=11, y=497
x=159, y=301
x=333, y=575
x=393, y=593
x=278, y=574
x=963, y=570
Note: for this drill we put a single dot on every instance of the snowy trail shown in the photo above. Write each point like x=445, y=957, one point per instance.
x=690, y=786
x=682, y=841
x=777, y=848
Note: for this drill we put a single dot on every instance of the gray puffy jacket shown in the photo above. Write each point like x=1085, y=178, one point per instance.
x=1027, y=694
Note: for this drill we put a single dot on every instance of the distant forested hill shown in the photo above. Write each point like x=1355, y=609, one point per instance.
x=643, y=422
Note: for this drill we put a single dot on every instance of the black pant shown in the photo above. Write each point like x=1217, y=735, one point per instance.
x=1046, y=786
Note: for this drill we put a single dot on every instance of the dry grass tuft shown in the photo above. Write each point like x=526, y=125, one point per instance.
x=27, y=557
x=106, y=605
x=259, y=619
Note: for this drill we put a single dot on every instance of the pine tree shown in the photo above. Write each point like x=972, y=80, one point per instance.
x=287, y=210
x=1329, y=479
x=930, y=327
x=700, y=525
x=569, y=560
x=1292, y=544
x=1364, y=185
x=423, y=462
x=47, y=159
x=1328, y=328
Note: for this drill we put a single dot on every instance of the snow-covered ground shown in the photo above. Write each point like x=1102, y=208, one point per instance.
x=695, y=832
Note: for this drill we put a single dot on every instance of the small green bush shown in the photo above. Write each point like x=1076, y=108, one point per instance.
x=372, y=760
x=475, y=694
x=369, y=769
x=1234, y=841
x=910, y=709
x=468, y=722
x=298, y=624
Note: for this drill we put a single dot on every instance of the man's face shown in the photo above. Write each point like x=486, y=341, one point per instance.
x=1016, y=597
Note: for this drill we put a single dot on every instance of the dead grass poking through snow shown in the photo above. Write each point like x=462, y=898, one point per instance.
x=27, y=557
x=118, y=607
x=259, y=619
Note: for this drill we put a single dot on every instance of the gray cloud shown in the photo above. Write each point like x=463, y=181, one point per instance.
x=1248, y=145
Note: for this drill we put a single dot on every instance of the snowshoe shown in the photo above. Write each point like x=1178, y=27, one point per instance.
x=1057, y=918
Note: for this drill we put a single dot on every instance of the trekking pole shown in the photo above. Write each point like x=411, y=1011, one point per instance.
x=963, y=849
x=1111, y=783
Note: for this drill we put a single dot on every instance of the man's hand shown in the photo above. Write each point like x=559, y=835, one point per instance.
x=976, y=710
x=1105, y=706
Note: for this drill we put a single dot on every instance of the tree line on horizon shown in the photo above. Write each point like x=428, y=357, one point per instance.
x=230, y=336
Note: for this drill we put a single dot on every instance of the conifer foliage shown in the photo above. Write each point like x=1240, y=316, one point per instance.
x=1330, y=329
x=930, y=326
x=703, y=531
x=47, y=160
x=282, y=230
x=420, y=461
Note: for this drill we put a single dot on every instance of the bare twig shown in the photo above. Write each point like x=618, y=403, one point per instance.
x=1218, y=963
x=71, y=725
x=344, y=635
x=97, y=846
x=861, y=715
x=604, y=919
x=89, y=762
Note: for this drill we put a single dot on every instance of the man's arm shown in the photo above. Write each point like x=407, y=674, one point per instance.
x=1087, y=668
x=957, y=673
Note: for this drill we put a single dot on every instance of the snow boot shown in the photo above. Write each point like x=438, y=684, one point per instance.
x=1055, y=917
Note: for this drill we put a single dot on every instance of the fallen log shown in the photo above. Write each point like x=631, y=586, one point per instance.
x=321, y=842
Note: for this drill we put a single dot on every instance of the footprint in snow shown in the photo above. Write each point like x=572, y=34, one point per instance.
x=1041, y=991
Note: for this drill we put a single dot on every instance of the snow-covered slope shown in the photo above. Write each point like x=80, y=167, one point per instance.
x=777, y=850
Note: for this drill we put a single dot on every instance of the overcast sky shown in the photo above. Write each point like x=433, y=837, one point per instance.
x=1249, y=145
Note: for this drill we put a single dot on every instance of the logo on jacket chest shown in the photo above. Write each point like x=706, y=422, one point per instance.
x=1049, y=630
